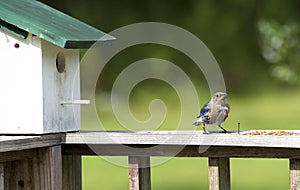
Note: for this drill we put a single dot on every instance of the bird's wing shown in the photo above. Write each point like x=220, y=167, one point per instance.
x=227, y=111
x=204, y=110
x=228, y=108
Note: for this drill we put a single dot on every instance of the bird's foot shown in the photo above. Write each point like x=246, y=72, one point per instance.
x=224, y=131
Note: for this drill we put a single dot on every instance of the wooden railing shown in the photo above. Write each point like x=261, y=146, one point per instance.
x=54, y=161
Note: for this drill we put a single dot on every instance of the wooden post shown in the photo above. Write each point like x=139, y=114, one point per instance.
x=294, y=174
x=1, y=175
x=139, y=173
x=47, y=168
x=42, y=171
x=72, y=179
x=219, y=173
x=19, y=175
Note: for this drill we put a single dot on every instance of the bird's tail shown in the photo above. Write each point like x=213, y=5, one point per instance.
x=198, y=122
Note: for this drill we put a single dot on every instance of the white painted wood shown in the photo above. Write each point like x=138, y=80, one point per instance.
x=32, y=87
x=21, y=99
x=59, y=87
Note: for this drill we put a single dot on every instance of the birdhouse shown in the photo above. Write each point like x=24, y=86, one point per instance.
x=39, y=67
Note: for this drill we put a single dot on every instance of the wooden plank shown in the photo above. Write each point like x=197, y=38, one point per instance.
x=139, y=173
x=166, y=139
x=213, y=172
x=18, y=142
x=41, y=171
x=18, y=175
x=16, y=155
x=184, y=138
x=152, y=138
x=2, y=176
x=133, y=169
x=219, y=174
x=294, y=174
x=72, y=179
x=144, y=173
x=47, y=168
x=179, y=151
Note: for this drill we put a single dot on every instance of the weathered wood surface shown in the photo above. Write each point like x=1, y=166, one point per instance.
x=294, y=174
x=19, y=142
x=154, y=143
x=1, y=175
x=148, y=138
x=183, y=138
x=40, y=155
x=47, y=168
x=139, y=173
x=42, y=171
x=219, y=173
x=72, y=175
x=180, y=151
x=181, y=144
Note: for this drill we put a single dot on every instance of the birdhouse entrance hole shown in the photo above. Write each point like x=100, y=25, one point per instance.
x=60, y=62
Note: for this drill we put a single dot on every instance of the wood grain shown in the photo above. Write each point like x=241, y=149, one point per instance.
x=294, y=174
x=47, y=168
x=139, y=173
x=41, y=171
x=72, y=172
x=181, y=144
x=183, y=138
x=1, y=175
x=219, y=173
x=42, y=155
x=19, y=142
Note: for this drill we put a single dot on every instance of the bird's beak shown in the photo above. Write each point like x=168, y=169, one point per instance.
x=224, y=97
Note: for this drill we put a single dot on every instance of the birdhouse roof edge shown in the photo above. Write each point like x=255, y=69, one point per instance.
x=30, y=16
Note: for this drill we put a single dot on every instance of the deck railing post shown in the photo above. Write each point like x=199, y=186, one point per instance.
x=47, y=168
x=71, y=172
x=1, y=175
x=294, y=174
x=41, y=171
x=219, y=173
x=139, y=173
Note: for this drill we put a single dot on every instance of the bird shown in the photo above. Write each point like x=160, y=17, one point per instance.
x=214, y=112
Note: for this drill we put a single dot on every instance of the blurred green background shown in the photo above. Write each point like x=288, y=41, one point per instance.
x=256, y=44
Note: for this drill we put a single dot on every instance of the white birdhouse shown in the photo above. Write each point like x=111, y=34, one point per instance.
x=39, y=75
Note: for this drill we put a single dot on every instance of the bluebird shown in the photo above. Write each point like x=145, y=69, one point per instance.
x=214, y=112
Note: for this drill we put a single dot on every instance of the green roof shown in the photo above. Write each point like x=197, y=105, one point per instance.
x=29, y=16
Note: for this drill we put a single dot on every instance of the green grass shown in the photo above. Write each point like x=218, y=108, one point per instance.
x=262, y=110
x=189, y=173
x=260, y=174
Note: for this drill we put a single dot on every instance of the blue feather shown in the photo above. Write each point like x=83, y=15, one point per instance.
x=204, y=110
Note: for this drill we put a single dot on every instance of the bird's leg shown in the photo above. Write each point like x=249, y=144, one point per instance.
x=224, y=130
x=204, y=130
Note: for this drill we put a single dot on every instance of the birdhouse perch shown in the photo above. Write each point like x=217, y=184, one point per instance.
x=39, y=75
